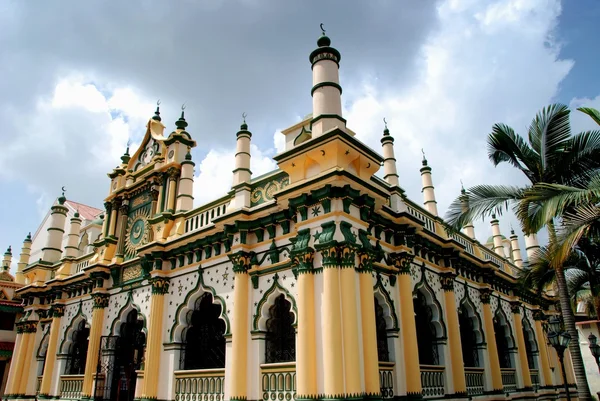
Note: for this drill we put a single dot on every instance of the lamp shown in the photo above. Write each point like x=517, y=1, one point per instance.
x=560, y=339
x=595, y=348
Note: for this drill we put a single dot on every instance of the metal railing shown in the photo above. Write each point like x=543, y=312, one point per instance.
x=535, y=379
x=509, y=379
x=386, y=379
x=432, y=381
x=278, y=381
x=474, y=377
x=71, y=386
x=205, y=215
x=200, y=385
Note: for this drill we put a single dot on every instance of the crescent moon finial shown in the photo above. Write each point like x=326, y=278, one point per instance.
x=158, y=102
x=244, y=115
x=385, y=122
x=183, y=107
x=63, y=190
x=322, y=29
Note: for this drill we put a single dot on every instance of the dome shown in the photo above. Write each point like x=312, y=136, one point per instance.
x=491, y=239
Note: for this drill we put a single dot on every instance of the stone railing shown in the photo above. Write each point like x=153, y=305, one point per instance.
x=414, y=211
x=474, y=378
x=432, y=381
x=386, y=379
x=535, y=379
x=203, y=216
x=464, y=242
x=200, y=385
x=489, y=255
x=278, y=381
x=82, y=262
x=70, y=386
x=509, y=380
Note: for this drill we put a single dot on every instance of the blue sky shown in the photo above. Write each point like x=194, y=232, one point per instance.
x=84, y=79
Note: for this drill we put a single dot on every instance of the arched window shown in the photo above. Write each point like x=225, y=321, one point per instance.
x=426, y=333
x=383, y=352
x=204, y=341
x=530, y=345
x=468, y=339
x=78, y=350
x=502, y=345
x=281, y=337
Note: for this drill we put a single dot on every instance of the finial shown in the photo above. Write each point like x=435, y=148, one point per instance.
x=244, y=126
x=323, y=41
x=462, y=188
x=62, y=198
x=188, y=155
x=9, y=251
x=386, y=131
x=157, y=112
x=63, y=190
x=424, y=159
x=322, y=29
x=181, y=123
x=125, y=158
x=493, y=216
x=28, y=238
x=76, y=213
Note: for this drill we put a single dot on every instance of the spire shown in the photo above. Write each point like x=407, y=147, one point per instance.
x=532, y=246
x=181, y=124
x=71, y=250
x=7, y=259
x=52, y=250
x=185, y=190
x=326, y=91
x=424, y=161
x=23, y=260
x=242, y=174
x=497, y=236
x=469, y=229
x=126, y=157
x=389, y=158
x=516, y=249
x=428, y=189
x=157, y=112
x=62, y=199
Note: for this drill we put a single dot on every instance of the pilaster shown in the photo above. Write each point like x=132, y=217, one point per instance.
x=544, y=357
x=100, y=303
x=515, y=308
x=57, y=312
x=492, y=348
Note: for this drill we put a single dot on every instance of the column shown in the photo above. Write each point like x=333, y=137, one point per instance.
x=456, y=357
x=369, y=333
x=57, y=312
x=306, y=358
x=492, y=348
x=173, y=175
x=350, y=329
x=123, y=210
x=239, y=326
x=113, y=219
x=91, y=362
x=515, y=308
x=18, y=355
x=29, y=330
x=106, y=220
x=402, y=262
x=160, y=286
x=332, y=325
x=546, y=373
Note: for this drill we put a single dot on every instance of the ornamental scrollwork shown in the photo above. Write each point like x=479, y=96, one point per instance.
x=160, y=285
x=100, y=300
x=57, y=310
x=265, y=192
x=26, y=327
x=485, y=295
x=241, y=261
x=447, y=281
x=401, y=261
x=539, y=315
x=515, y=307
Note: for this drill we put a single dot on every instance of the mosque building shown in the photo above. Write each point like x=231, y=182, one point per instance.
x=316, y=281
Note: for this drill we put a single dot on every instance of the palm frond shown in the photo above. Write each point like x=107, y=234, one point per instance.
x=504, y=145
x=481, y=201
x=593, y=113
x=547, y=133
x=580, y=159
x=584, y=220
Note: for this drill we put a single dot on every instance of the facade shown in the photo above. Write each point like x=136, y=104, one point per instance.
x=319, y=280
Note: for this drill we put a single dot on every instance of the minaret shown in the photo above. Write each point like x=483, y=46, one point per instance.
x=497, y=236
x=326, y=91
x=242, y=174
x=531, y=246
x=389, y=160
x=52, y=251
x=7, y=259
x=185, y=189
x=464, y=200
x=23, y=260
x=428, y=190
x=72, y=248
x=516, y=250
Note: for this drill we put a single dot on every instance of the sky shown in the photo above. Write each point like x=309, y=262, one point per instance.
x=80, y=81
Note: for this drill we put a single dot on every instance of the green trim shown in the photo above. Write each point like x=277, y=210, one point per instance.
x=128, y=302
x=274, y=287
x=71, y=327
x=378, y=287
x=325, y=84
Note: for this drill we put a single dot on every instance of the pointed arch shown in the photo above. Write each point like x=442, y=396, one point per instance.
x=83, y=244
x=470, y=307
x=437, y=318
x=188, y=304
x=387, y=303
x=121, y=317
x=505, y=341
x=67, y=339
x=531, y=346
x=262, y=309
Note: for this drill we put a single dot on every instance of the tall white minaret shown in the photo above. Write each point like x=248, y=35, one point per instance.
x=326, y=91
x=464, y=200
x=72, y=247
x=7, y=259
x=531, y=246
x=516, y=249
x=428, y=189
x=185, y=197
x=23, y=260
x=389, y=160
x=242, y=174
x=497, y=236
x=52, y=251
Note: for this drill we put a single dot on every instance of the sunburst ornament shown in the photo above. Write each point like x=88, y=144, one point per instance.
x=138, y=232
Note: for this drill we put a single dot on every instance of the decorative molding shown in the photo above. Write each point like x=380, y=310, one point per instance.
x=160, y=285
x=100, y=300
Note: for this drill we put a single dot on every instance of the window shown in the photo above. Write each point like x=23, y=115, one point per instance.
x=281, y=336
x=78, y=350
x=383, y=352
x=7, y=321
x=467, y=338
x=426, y=335
x=502, y=345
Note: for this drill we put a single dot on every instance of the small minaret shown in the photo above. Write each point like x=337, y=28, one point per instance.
x=497, y=236
x=72, y=247
x=242, y=173
x=389, y=160
x=185, y=197
x=531, y=246
x=326, y=91
x=52, y=251
x=23, y=260
x=428, y=189
x=464, y=200
x=7, y=259
x=516, y=250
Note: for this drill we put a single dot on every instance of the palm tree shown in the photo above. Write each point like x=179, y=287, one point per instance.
x=551, y=155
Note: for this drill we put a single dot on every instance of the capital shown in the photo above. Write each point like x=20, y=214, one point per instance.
x=173, y=173
x=365, y=260
x=485, y=295
x=401, y=261
x=539, y=315
x=124, y=206
x=100, y=300
x=241, y=261
x=303, y=261
x=447, y=281
x=515, y=307
x=57, y=310
x=26, y=327
x=160, y=285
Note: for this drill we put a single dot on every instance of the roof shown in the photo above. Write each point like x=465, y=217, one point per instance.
x=86, y=212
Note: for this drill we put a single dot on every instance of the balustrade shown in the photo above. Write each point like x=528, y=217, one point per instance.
x=200, y=385
x=474, y=378
x=432, y=381
x=70, y=386
x=509, y=380
x=386, y=379
x=278, y=381
x=204, y=216
x=39, y=384
x=535, y=379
